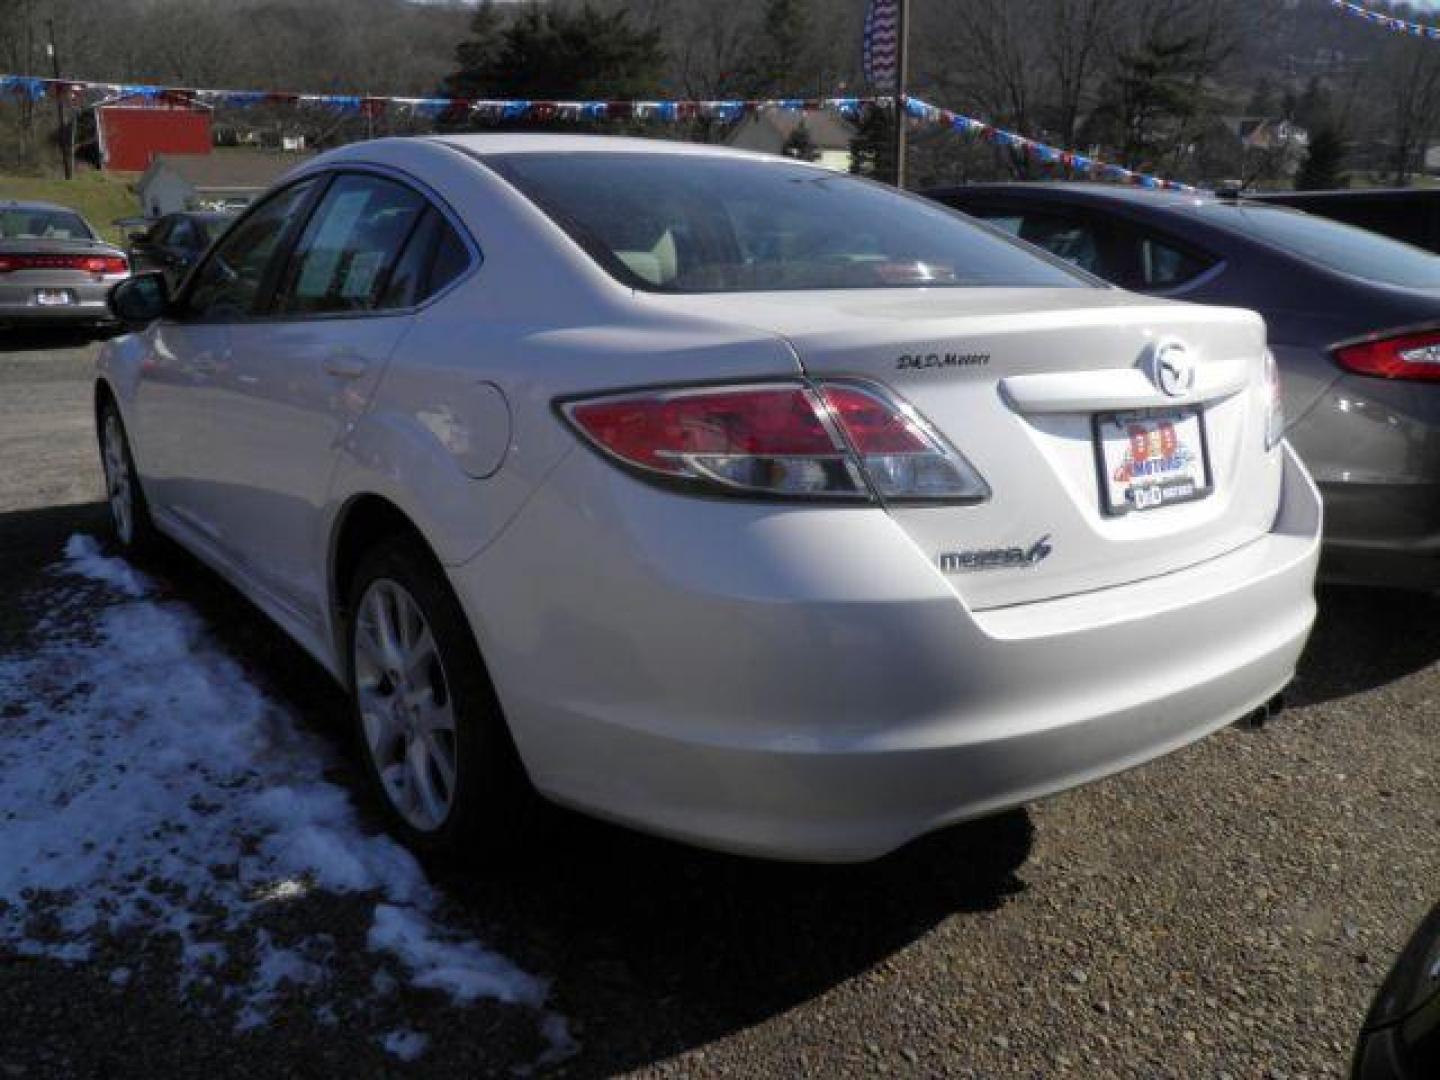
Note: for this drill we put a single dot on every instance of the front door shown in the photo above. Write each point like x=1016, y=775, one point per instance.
x=189, y=363
x=301, y=377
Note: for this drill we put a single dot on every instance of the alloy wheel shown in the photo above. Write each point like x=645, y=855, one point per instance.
x=406, y=709
x=119, y=485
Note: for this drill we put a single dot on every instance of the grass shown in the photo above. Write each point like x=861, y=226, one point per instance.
x=100, y=197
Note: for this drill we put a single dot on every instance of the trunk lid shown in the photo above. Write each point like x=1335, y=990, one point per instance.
x=1015, y=379
x=51, y=256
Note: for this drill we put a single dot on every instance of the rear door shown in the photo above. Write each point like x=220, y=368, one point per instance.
x=301, y=376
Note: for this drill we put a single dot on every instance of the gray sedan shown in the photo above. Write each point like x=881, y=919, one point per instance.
x=54, y=268
x=1354, y=320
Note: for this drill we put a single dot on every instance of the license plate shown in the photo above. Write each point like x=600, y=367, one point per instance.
x=54, y=297
x=1151, y=459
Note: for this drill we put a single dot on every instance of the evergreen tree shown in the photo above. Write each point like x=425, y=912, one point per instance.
x=783, y=38
x=799, y=144
x=1324, y=164
x=549, y=53
x=872, y=150
x=478, y=53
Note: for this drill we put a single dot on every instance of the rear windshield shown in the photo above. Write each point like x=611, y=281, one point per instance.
x=1341, y=247
x=672, y=223
x=22, y=224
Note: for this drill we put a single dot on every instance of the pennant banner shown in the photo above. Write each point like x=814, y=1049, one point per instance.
x=500, y=111
x=1043, y=153
x=1389, y=22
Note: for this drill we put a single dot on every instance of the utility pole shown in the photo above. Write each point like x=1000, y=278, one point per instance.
x=902, y=81
x=60, y=135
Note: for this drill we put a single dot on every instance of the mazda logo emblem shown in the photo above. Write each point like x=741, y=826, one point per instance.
x=1172, y=369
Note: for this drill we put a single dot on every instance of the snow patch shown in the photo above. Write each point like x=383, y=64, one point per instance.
x=406, y=1045
x=149, y=786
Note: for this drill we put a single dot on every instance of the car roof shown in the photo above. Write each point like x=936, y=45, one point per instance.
x=34, y=204
x=533, y=142
x=1090, y=191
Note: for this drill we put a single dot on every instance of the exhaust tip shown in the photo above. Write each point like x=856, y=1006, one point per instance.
x=1258, y=718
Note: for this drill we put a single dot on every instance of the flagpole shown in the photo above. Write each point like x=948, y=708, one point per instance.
x=902, y=81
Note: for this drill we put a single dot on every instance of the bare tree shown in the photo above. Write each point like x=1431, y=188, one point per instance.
x=1410, y=85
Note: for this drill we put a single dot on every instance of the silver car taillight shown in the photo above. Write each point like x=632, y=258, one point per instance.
x=838, y=440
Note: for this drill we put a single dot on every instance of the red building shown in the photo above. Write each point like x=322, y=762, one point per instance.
x=134, y=128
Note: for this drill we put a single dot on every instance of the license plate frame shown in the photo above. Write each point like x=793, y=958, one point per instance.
x=48, y=298
x=1188, y=439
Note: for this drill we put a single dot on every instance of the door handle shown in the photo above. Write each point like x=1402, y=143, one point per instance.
x=346, y=365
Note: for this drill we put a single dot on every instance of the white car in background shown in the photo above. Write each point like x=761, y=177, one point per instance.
x=720, y=495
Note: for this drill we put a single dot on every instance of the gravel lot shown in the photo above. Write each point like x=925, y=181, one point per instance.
x=1226, y=911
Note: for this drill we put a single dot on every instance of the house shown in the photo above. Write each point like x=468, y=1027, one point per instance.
x=1265, y=134
x=225, y=179
x=1282, y=143
x=132, y=128
x=773, y=131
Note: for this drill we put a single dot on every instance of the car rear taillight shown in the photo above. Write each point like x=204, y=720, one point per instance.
x=1402, y=356
x=838, y=440
x=88, y=264
x=1274, y=403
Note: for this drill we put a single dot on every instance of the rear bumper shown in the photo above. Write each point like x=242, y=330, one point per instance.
x=831, y=698
x=18, y=304
x=1382, y=535
x=1373, y=446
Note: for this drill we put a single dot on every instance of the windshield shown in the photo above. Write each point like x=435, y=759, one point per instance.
x=673, y=223
x=1345, y=248
x=23, y=224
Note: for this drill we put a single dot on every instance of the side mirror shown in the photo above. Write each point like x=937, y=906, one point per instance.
x=140, y=299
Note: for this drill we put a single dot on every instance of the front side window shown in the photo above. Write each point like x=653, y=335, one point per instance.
x=229, y=283
x=697, y=223
x=22, y=224
x=1065, y=237
x=349, y=247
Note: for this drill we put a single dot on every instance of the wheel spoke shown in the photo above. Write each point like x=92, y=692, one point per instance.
x=381, y=730
x=419, y=653
x=427, y=798
x=444, y=764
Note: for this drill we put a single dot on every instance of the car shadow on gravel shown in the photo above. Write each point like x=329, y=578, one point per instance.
x=656, y=948
x=40, y=339
x=1365, y=638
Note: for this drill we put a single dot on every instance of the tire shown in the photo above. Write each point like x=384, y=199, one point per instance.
x=130, y=520
x=427, y=723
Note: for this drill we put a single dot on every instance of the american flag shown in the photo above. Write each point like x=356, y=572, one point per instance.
x=881, y=45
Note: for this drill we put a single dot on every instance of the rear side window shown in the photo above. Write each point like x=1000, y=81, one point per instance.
x=433, y=257
x=1163, y=266
x=349, y=246
x=1340, y=247
x=228, y=284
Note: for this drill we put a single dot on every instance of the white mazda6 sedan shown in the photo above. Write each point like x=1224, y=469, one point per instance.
x=719, y=495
